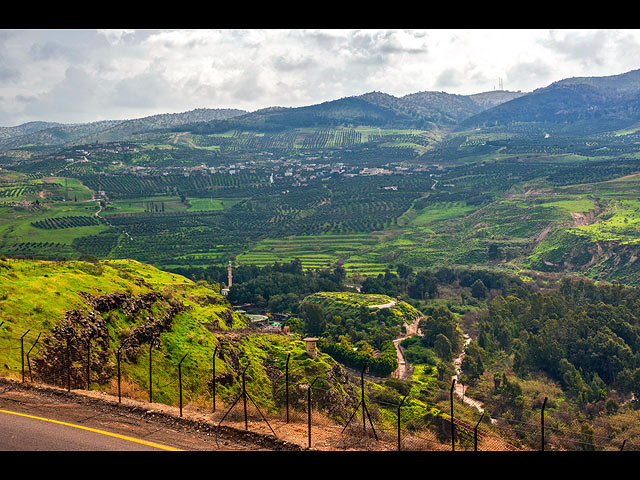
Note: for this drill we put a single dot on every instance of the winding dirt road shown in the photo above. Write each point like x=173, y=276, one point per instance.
x=405, y=369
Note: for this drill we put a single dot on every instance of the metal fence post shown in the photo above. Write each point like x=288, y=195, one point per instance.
x=213, y=394
x=29, y=353
x=364, y=408
x=180, y=380
x=68, y=365
x=453, y=428
x=399, y=406
x=475, y=434
x=119, y=373
x=22, y=352
x=287, y=385
x=89, y=363
x=150, y=375
x=309, y=410
x=544, y=404
x=244, y=399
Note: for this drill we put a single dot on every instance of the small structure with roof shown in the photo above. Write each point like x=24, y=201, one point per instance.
x=312, y=350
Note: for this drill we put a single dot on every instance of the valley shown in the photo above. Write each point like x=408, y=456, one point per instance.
x=490, y=240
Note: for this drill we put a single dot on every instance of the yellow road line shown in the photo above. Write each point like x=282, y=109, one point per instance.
x=123, y=437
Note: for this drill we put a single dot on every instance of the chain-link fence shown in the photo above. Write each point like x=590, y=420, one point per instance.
x=312, y=412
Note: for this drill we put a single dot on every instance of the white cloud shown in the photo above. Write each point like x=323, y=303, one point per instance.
x=77, y=75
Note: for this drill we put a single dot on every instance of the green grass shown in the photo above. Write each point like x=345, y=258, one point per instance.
x=15, y=224
x=201, y=204
x=171, y=203
x=35, y=295
x=314, y=250
x=435, y=213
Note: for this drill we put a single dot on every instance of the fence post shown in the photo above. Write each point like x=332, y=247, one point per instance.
x=544, y=404
x=119, y=373
x=22, y=352
x=364, y=408
x=180, y=380
x=68, y=365
x=89, y=363
x=29, y=353
x=215, y=350
x=153, y=338
x=287, y=385
x=244, y=399
x=475, y=434
x=401, y=402
x=453, y=428
x=309, y=409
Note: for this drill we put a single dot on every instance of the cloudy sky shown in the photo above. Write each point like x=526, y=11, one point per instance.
x=79, y=75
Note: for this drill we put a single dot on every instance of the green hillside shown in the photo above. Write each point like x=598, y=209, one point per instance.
x=112, y=303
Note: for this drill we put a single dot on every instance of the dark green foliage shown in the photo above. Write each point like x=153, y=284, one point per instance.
x=313, y=317
x=584, y=335
x=472, y=363
x=382, y=365
x=416, y=353
x=478, y=289
x=441, y=322
x=420, y=286
x=66, y=222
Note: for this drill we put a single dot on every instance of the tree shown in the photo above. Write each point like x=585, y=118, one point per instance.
x=478, y=289
x=442, y=321
x=493, y=252
x=313, y=316
x=442, y=346
x=404, y=271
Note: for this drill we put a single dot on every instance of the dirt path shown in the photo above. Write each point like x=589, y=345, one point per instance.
x=460, y=389
x=405, y=369
x=384, y=305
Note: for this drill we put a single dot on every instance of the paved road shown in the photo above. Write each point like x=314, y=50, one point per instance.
x=22, y=432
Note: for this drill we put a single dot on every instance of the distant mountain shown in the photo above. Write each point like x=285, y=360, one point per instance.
x=490, y=99
x=446, y=108
x=572, y=105
x=54, y=134
x=25, y=129
x=613, y=86
x=127, y=128
x=375, y=108
x=418, y=110
x=47, y=134
x=596, y=103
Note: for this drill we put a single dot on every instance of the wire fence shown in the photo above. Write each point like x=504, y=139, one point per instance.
x=313, y=414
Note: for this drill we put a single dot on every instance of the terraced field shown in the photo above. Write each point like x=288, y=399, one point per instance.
x=316, y=251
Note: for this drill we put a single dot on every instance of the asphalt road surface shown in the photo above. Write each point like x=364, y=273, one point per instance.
x=41, y=418
x=22, y=431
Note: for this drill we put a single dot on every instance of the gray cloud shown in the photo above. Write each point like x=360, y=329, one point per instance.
x=54, y=50
x=287, y=63
x=530, y=73
x=80, y=75
x=585, y=47
x=449, y=78
x=7, y=73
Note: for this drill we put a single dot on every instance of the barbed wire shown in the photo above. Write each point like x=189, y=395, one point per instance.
x=507, y=429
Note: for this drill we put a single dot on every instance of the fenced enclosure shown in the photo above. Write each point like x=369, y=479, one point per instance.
x=310, y=412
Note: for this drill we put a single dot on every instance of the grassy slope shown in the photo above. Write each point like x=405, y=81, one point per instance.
x=34, y=296
x=344, y=303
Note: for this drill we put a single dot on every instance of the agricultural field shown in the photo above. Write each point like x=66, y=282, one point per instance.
x=314, y=251
x=501, y=200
